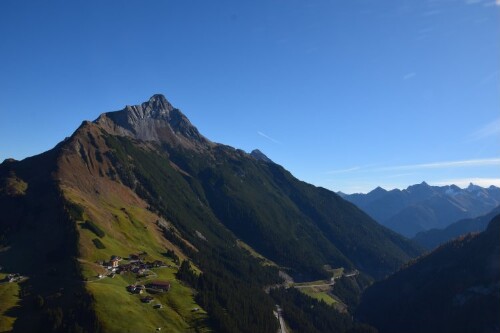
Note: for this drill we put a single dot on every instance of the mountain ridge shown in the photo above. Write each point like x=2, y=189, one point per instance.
x=422, y=207
x=432, y=238
x=144, y=180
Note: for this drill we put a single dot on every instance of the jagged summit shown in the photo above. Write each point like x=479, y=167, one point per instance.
x=258, y=155
x=157, y=107
x=420, y=189
x=155, y=120
x=379, y=189
x=473, y=187
x=159, y=102
x=377, y=192
x=422, y=185
x=422, y=206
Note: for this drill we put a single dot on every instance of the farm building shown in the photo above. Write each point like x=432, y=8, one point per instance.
x=159, y=285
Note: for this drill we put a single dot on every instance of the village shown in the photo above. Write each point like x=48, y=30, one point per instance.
x=143, y=270
x=11, y=278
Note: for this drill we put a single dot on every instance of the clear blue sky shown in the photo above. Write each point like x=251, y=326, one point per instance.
x=346, y=94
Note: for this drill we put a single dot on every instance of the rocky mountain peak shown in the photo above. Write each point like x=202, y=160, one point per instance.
x=258, y=155
x=159, y=102
x=157, y=107
x=155, y=120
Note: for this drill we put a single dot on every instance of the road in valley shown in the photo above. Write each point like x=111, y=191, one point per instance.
x=279, y=314
x=315, y=285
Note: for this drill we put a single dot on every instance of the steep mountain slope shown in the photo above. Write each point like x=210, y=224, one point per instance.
x=39, y=242
x=430, y=239
x=261, y=203
x=144, y=180
x=453, y=289
x=422, y=207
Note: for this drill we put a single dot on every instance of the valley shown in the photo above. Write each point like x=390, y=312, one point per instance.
x=250, y=166
x=137, y=222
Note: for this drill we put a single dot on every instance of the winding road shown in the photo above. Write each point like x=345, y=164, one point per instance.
x=279, y=315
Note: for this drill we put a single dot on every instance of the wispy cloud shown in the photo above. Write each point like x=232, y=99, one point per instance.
x=485, y=3
x=268, y=137
x=420, y=166
x=409, y=76
x=490, y=77
x=464, y=182
x=398, y=175
x=488, y=130
x=356, y=168
x=445, y=164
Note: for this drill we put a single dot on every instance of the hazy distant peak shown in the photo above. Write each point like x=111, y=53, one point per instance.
x=378, y=189
x=421, y=206
x=421, y=185
x=258, y=155
x=472, y=187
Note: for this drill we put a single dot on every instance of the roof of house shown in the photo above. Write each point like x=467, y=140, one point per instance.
x=160, y=283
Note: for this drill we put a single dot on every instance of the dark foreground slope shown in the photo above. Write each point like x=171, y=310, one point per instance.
x=456, y=289
x=39, y=242
x=144, y=180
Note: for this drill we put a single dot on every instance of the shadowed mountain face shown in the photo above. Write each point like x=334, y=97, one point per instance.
x=422, y=207
x=145, y=180
x=453, y=289
x=430, y=239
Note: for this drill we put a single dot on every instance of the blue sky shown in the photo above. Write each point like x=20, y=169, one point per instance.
x=347, y=95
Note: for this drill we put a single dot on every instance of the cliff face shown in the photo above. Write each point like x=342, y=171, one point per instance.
x=155, y=120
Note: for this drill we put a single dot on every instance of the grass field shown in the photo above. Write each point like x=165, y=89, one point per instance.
x=311, y=283
x=8, y=299
x=319, y=295
x=121, y=311
x=336, y=272
x=130, y=228
x=322, y=290
x=255, y=254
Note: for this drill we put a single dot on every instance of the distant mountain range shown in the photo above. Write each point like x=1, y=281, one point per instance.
x=423, y=207
x=456, y=288
x=143, y=180
x=431, y=239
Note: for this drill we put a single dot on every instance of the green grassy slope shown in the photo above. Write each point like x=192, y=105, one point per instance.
x=9, y=294
x=123, y=225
